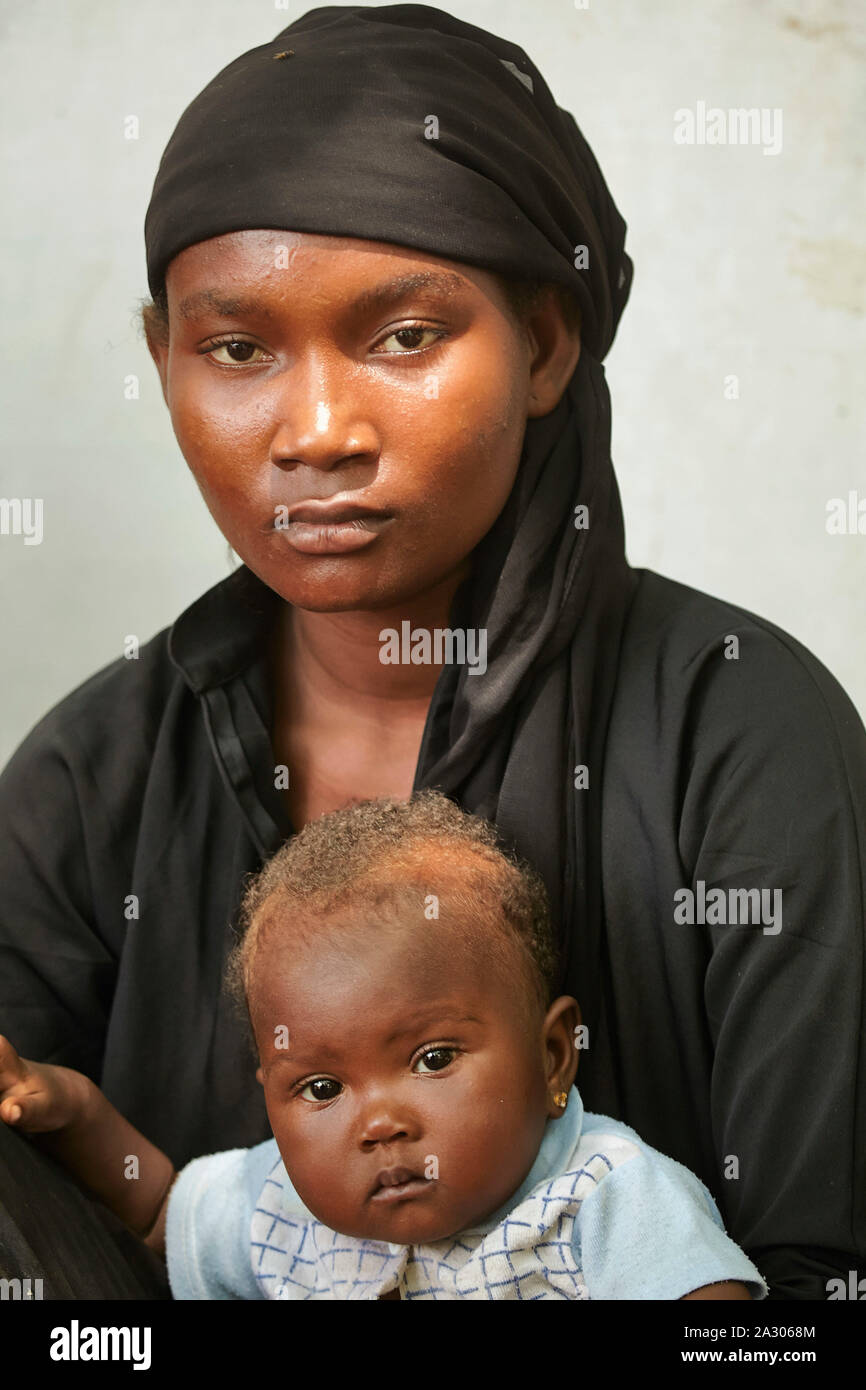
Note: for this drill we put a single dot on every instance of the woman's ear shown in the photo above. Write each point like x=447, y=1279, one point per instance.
x=559, y=1034
x=555, y=350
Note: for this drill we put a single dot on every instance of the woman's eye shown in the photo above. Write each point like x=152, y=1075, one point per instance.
x=435, y=1059
x=323, y=1088
x=409, y=338
x=235, y=345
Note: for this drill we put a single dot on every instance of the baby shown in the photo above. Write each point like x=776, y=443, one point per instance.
x=399, y=974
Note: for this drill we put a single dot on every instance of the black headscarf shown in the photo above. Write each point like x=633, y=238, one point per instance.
x=403, y=124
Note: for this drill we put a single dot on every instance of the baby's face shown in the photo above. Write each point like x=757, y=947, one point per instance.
x=404, y=1073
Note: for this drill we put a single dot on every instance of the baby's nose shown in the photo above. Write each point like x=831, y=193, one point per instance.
x=383, y=1122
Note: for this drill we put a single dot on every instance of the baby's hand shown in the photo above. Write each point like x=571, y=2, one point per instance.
x=36, y=1097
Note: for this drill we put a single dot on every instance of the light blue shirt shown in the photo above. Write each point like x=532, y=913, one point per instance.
x=600, y=1215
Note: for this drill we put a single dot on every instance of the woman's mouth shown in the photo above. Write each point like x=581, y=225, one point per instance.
x=347, y=529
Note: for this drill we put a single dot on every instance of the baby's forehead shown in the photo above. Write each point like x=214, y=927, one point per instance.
x=420, y=932
x=351, y=994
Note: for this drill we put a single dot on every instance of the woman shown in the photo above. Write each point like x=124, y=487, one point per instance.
x=385, y=269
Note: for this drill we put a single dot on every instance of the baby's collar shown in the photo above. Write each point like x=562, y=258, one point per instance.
x=560, y=1139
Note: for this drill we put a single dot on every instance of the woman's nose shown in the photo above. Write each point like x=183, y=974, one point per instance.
x=323, y=417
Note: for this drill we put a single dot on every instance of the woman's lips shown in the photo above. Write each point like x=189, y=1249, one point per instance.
x=334, y=537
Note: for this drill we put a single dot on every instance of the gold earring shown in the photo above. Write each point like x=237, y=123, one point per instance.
x=561, y=1099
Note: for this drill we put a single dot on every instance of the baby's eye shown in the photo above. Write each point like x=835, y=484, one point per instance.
x=323, y=1088
x=435, y=1059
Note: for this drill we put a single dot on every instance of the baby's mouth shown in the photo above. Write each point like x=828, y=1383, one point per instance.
x=399, y=1185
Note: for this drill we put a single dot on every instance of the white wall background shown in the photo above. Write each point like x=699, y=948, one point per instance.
x=745, y=264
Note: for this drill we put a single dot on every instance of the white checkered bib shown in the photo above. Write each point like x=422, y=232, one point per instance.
x=528, y=1255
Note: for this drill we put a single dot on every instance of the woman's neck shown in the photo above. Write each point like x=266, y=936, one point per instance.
x=338, y=655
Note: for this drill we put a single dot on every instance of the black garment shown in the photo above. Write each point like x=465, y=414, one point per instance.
x=52, y=1231
x=155, y=778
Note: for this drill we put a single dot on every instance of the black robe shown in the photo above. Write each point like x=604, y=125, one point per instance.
x=132, y=811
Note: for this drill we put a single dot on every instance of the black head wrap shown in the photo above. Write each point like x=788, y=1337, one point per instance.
x=396, y=123
x=403, y=124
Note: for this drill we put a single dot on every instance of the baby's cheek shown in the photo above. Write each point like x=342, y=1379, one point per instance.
x=467, y=1138
x=312, y=1175
x=498, y=1128
x=308, y=1150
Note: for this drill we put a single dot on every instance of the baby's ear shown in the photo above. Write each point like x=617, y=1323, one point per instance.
x=260, y=1076
x=560, y=1031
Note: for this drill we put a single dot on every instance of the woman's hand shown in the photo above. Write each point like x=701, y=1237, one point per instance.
x=38, y=1098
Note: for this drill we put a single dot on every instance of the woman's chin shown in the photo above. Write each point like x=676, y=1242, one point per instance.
x=329, y=584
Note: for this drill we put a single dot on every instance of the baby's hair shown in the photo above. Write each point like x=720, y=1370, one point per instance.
x=368, y=855
x=520, y=295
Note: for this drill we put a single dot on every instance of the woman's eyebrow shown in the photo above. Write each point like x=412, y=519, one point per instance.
x=441, y=281
x=213, y=299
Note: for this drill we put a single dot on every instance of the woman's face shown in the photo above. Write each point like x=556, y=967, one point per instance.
x=390, y=386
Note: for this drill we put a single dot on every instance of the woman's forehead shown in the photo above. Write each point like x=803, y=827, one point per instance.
x=210, y=274
x=262, y=273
